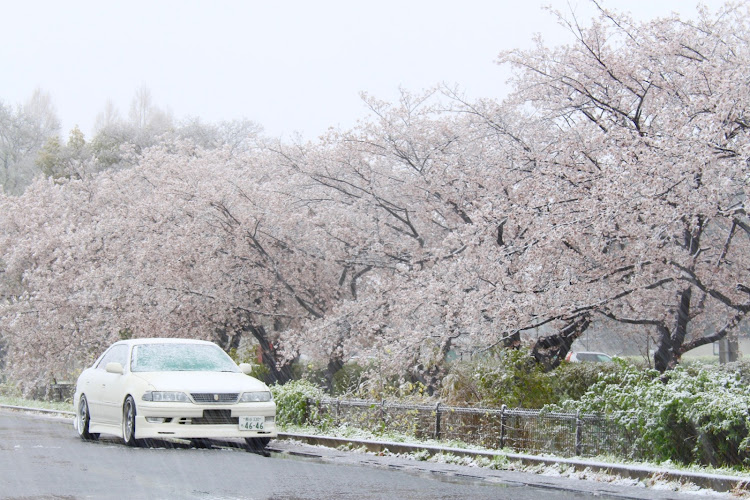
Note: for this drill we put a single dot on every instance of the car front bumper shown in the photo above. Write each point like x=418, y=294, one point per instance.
x=192, y=421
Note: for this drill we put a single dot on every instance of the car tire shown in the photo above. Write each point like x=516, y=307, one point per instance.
x=128, y=422
x=257, y=443
x=83, y=419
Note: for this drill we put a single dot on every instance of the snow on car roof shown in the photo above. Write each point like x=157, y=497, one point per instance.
x=166, y=340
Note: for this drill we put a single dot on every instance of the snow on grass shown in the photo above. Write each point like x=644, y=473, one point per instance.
x=29, y=403
x=501, y=461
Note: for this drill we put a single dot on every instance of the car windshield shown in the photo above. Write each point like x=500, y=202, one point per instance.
x=170, y=357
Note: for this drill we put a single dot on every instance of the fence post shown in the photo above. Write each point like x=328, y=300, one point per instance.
x=503, y=425
x=338, y=411
x=382, y=413
x=579, y=433
x=437, y=421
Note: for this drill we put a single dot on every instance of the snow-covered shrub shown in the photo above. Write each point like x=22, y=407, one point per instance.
x=697, y=415
x=292, y=402
x=742, y=367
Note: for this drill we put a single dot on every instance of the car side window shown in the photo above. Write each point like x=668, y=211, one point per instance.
x=117, y=354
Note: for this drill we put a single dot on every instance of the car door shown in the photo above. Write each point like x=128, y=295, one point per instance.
x=113, y=385
x=100, y=385
x=90, y=387
x=93, y=386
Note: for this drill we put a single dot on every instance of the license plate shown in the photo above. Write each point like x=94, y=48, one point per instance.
x=252, y=423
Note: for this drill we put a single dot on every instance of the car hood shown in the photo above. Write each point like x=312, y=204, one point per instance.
x=201, y=381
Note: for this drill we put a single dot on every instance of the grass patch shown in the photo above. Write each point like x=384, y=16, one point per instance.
x=31, y=403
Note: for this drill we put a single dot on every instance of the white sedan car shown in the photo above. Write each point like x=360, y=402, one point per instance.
x=172, y=388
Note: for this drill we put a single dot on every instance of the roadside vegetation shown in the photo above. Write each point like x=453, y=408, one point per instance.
x=694, y=415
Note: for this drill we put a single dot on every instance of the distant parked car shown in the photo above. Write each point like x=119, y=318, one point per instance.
x=172, y=388
x=588, y=357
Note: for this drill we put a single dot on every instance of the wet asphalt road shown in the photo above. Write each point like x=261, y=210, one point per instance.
x=43, y=458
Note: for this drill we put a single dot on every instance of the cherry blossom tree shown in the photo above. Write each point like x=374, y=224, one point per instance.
x=645, y=133
x=394, y=196
x=190, y=242
x=612, y=183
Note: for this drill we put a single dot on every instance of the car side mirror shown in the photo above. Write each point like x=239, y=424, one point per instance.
x=246, y=368
x=114, y=368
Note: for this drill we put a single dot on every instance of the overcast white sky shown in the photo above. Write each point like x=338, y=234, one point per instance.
x=289, y=65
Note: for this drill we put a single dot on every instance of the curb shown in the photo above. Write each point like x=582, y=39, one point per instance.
x=716, y=482
x=39, y=410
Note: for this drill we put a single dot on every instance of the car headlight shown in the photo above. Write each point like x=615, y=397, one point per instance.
x=166, y=396
x=255, y=397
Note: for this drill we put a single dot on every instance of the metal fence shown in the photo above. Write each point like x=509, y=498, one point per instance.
x=520, y=430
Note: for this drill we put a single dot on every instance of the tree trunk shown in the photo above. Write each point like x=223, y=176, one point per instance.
x=432, y=376
x=512, y=341
x=227, y=341
x=670, y=347
x=549, y=351
x=664, y=355
x=429, y=377
x=335, y=364
x=278, y=373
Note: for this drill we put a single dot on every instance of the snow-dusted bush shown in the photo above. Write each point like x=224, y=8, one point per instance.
x=292, y=402
x=698, y=415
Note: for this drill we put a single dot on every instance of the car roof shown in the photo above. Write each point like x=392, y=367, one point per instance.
x=163, y=341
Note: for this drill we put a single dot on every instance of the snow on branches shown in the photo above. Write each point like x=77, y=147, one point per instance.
x=613, y=182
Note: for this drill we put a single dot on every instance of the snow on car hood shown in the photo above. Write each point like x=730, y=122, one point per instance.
x=202, y=381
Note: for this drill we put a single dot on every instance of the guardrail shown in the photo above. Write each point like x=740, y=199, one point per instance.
x=521, y=430
x=39, y=410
